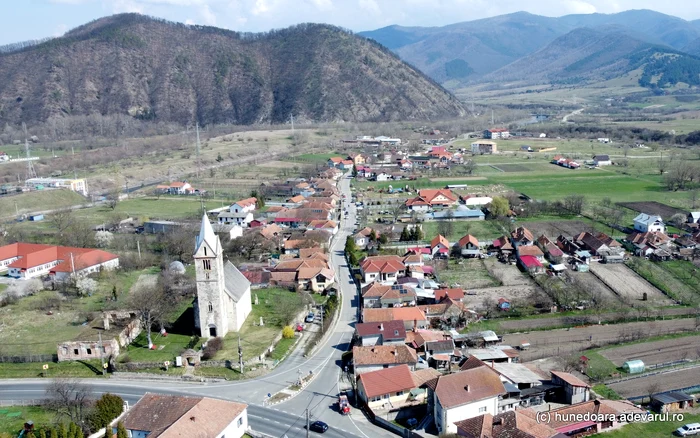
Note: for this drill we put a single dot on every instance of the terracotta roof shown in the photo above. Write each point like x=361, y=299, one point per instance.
x=418, y=200
x=431, y=194
x=439, y=239
x=323, y=224
x=395, y=313
x=387, y=381
x=382, y=264
x=472, y=362
x=315, y=252
x=433, y=309
x=177, y=184
x=590, y=407
x=570, y=379
x=468, y=239
x=387, y=329
x=513, y=424
x=283, y=277
x=554, y=250
x=296, y=264
x=455, y=294
x=269, y=231
x=420, y=337
x=169, y=416
x=530, y=251
x=20, y=249
x=336, y=160
x=384, y=355
x=309, y=273
x=467, y=386
x=247, y=202
x=522, y=234
x=425, y=375
x=257, y=276
x=298, y=243
x=296, y=199
x=412, y=258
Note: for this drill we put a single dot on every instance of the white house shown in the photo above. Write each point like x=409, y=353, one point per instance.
x=184, y=416
x=462, y=395
x=30, y=260
x=75, y=184
x=602, y=160
x=239, y=213
x=649, y=223
x=382, y=176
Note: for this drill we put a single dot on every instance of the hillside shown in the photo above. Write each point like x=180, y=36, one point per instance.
x=150, y=68
x=483, y=46
x=587, y=55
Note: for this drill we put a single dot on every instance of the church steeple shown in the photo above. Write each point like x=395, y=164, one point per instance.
x=206, y=235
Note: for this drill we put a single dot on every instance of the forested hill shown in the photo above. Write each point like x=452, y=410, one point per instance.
x=150, y=68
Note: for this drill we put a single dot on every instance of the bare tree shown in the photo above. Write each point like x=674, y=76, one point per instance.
x=653, y=388
x=113, y=197
x=69, y=400
x=151, y=305
x=61, y=219
x=694, y=196
x=569, y=363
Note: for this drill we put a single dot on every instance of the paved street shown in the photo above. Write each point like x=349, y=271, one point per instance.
x=285, y=418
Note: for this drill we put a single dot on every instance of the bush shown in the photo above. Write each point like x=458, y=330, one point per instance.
x=106, y=409
x=213, y=346
x=288, y=332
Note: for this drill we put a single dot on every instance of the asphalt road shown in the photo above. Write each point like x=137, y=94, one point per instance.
x=287, y=418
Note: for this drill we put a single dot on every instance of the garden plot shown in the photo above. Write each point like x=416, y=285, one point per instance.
x=653, y=207
x=553, y=229
x=627, y=284
x=667, y=381
x=651, y=353
x=595, y=288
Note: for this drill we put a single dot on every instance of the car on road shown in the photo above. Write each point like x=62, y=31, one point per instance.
x=688, y=430
x=318, y=426
x=310, y=317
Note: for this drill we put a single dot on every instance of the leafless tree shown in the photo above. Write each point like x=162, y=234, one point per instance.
x=653, y=388
x=569, y=363
x=61, y=219
x=69, y=400
x=151, y=304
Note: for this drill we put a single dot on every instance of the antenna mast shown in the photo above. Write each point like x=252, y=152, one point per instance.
x=31, y=173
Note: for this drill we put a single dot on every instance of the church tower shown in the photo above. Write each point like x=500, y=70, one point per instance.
x=211, y=316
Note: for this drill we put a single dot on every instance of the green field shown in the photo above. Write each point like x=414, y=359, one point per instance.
x=652, y=429
x=88, y=368
x=468, y=274
x=12, y=418
x=149, y=208
x=315, y=158
x=39, y=200
x=484, y=230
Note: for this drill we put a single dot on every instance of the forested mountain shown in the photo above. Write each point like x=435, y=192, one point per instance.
x=150, y=68
x=470, y=51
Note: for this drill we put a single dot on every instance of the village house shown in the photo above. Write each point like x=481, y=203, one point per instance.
x=377, y=357
x=602, y=160
x=649, y=223
x=380, y=333
x=32, y=260
x=362, y=237
x=328, y=225
x=469, y=246
x=693, y=217
x=575, y=389
x=440, y=247
x=496, y=133
x=448, y=311
x=505, y=424
x=378, y=295
x=383, y=269
x=166, y=416
x=382, y=176
x=462, y=395
x=484, y=147
x=453, y=294
x=412, y=317
x=358, y=159
x=428, y=199
x=386, y=387
x=440, y=353
x=176, y=188
x=553, y=253
x=532, y=251
x=521, y=236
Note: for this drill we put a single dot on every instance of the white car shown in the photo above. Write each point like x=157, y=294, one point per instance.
x=688, y=429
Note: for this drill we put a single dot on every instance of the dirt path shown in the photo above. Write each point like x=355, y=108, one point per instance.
x=565, y=119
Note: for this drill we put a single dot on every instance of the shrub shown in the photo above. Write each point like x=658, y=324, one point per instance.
x=213, y=346
x=106, y=409
x=288, y=332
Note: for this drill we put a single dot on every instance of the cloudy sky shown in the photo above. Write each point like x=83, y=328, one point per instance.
x=33, y=19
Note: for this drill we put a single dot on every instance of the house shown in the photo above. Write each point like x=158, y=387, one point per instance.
x=495, y=354
x=389, y=387
x=693, y=217
x=462, y=395
x=381, y=333
x=377, y=295
x=649, y=223
x=469, y=246
x=78, y=185
x=440, y=246
x=169, y=416
x=382, y=176
x=377, y=357
x=31, y=260
x=439, y=353
x=315, y=279
x=357, y=159
x=241, y=218
x=363, y=237
x=453, y=294
x=517, y=374
x=418, y=338
x=328, y=225
x=602, y=160
x=412, y=317
x=553, y=253
x=405, y=164
x=176, y=188
x=430, y=198
x=503, y=246
x=575, y=389
x=346, y=165
x=531, y=250
x=588, y=418
x=671, y=402
x=335, y=162
x=484, y=147
x=496, y=133
x=522, y=236
x=531, y=264
x=506, y=424
x=462, y=212
x=383, y=269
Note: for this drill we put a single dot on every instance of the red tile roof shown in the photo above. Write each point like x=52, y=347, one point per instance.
x=382, y=264
x=387, y=381
x=532, y=250
x=385, y=328
x=247, y=202
x=570, y=379
x=468, y=386
x=33, y=255
x=395, y=313
x=384, y=355
x=468, y=239
x=530, y=261
x=455, y=294
x=439, y=240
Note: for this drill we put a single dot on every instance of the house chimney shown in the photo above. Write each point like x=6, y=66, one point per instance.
x=381, y=327
x=192, y=418
x=466, y=388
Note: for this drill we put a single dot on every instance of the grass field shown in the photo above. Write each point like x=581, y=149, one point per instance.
x=166, y=208
x=62, y=369
x=651, y=429
x=12, y=418
x=39, y=200
x=673, y=278
x=166, y=347
x=314, y=158
x=468, y=274
x=484, y=230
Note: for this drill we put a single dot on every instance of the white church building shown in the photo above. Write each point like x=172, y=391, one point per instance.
x=223, y=293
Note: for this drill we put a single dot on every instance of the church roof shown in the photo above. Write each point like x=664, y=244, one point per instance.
x=235, y=283
x=206, y=234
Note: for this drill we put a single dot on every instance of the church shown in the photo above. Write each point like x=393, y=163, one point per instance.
x=223, y=293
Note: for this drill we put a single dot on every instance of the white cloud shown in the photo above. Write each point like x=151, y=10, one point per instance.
x=190, y=22
x=579, y=7
x=323, y=5
x=208, y=16
x=370, y=6
x=261, y=7
x=119, y=6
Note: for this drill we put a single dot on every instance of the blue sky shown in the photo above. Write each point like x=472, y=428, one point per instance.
x=32, y=19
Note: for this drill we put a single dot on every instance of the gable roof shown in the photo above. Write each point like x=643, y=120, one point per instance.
x=387, y=381
x=439, y=240
x=384, y=355
x=382, y=264
x=522, y=234
x=455, y=294
x=420, y=377
x=247, y=202
x=431, y=194
x=512, y=424
x=602, y=157
x=387, y=329
x=570, y=379
x=235, y=283
x=468, y=239
x=647, y=219
x=468, y=386
x=531, y=250
x=472, y=362
x=393, y=313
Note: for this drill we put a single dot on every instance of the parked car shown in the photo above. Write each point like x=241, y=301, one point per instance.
x=310, y=317
x=318, y=426
x=688, y=429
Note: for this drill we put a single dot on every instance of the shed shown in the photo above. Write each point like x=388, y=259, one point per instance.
x=633, y=366
x=671, y=401
x=36, y=217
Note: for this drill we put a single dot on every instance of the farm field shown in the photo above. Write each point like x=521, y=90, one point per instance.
x=656, y=352
x=514, y=285
x=654, y=208
x=39, y=200
x=595, y=288
x=466, y=273
x=628, y=284
x=482, y=230
x=668, y=381
x=675, y=278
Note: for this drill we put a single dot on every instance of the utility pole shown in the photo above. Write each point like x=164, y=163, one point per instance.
x=240, y=354
x=321, y=318
x=138, y=247
x=307, y=424
x=102, y=359
x=197, y=126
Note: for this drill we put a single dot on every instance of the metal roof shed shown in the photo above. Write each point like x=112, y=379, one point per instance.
x=633, y=366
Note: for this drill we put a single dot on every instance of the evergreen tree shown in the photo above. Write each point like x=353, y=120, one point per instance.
x=62, y=433
x=30, y=434
x=373, y=236
x=121, y=430
x=42, y=433
x=107, y=408
x=405, y=235
x=354, y=170
x=53, y=433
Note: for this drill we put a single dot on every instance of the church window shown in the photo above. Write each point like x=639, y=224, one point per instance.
x=205, y=251
x=207, y=265
x=211, y=308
